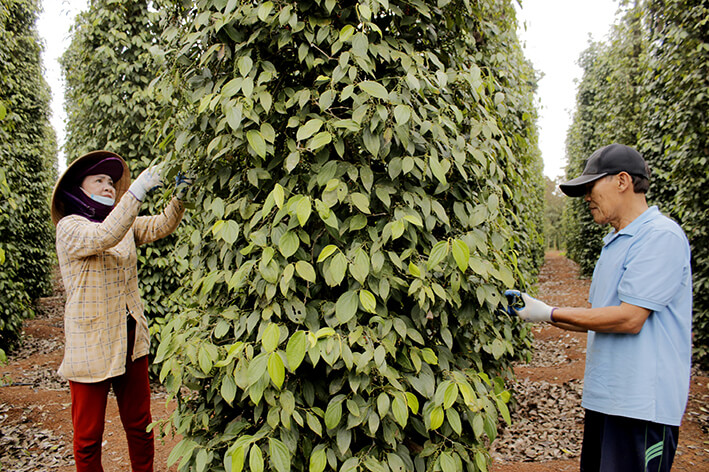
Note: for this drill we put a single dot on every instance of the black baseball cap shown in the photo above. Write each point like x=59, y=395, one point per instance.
x=608, y=160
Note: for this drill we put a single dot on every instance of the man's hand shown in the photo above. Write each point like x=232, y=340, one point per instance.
x=526, y=307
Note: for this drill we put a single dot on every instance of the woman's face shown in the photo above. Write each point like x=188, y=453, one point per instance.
x=99, y=184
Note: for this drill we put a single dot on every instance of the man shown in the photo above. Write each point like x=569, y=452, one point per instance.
x=639, y=325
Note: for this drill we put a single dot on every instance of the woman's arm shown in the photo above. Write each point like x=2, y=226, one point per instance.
x=151, y=228
x=80, y=237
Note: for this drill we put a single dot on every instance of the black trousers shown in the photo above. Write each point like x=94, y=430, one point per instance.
x=619, y=444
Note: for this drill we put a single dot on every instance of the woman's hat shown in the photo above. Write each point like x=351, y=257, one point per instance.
x=93, y=163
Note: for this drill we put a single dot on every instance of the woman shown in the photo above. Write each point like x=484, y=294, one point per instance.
x=95, y=210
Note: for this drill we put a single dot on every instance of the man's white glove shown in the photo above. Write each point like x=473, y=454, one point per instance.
x=528, y=308
x=148, y=180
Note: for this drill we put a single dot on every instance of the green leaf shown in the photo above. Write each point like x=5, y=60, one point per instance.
x=256, y=459
x=504, y=411
x=437, y=169
x=346, y=33
x=369, y=303
x=450, y=396
x=256, y=141
x=346, y=306
x=305, y=271
x=326, y=252
x=374, y=89
x=383, y=404
x=402, y=114
x=288, y=244
x=257, y=368
x=245, y=65
x=295, y=350
x=314, y=423
x=271, y=337
x=233, y=115
x=206, y=357
x=437, y=417
x=276, y=369
x=344, y=439
x=447, y=462
x=318, y=460
x=280, y=455
x=338, y=268
x=309, y=128
x=397, y=229
x=401, y=413
x=333, y=414
x=412, y=402
x=303, y=210
x=237, y=459
x=229, y=231
x=454, y=420
x=228, y=389
x=361, y=202
x=319, y=140
x=278, y=195
x=438, y=253
x=414, y=270
x=461, y=254
x=264, y=10
x=360, y=266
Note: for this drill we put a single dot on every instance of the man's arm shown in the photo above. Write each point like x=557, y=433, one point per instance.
x=623, y=318
x=626, y=318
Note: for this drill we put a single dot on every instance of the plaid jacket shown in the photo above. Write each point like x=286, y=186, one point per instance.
x=98, y=262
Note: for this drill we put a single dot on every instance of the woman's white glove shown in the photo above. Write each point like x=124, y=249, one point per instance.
x=528, y=308
x=148, y=180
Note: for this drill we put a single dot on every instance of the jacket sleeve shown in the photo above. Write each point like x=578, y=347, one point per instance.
x=151, y=228
x=83, y=238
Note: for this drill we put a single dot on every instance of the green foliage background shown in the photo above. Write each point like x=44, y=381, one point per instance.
x=28, y=155
x=646, y=88
x=369, y=183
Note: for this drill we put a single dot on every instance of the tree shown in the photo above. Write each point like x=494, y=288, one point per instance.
x=646, y=88
x=675, y=134
x=361, y=169
x=27, y=153
x=607, y=111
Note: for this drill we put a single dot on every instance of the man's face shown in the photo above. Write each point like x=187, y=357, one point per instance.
x=602, y=199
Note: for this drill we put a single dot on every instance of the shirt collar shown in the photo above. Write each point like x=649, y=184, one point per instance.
x=634, y=226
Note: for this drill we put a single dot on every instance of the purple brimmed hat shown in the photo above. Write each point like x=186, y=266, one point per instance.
x=93, y=163
x=608, y=160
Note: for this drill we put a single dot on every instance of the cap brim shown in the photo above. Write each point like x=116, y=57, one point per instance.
x=577, y=187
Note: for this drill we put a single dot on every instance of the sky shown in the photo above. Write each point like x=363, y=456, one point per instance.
x=553, y=34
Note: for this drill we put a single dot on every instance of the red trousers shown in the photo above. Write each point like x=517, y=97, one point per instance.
x=88, y=414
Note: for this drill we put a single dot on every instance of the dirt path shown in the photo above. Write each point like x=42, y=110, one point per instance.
x=35, y=412
x=547, y=427
x=35, y=405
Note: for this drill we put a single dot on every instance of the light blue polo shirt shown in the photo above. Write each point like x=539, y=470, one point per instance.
x=645, y=375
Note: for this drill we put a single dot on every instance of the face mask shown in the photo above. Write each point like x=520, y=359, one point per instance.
x=108, y=201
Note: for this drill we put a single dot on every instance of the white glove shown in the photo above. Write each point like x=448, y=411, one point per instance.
x=147, y=181
x=529, y=309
